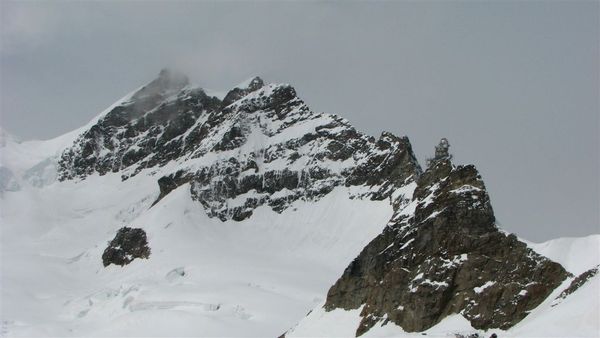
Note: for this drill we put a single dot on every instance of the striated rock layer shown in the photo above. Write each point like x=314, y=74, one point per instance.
x=260, y=145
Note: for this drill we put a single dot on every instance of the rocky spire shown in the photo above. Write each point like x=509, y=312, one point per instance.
x=444, y=258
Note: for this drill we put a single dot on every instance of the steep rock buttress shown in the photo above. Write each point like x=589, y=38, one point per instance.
x=442, y=254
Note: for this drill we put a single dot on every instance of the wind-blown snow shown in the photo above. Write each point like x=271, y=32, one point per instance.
x=34, y=162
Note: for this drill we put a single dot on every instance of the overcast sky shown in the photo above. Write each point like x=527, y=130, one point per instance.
x=513, y=85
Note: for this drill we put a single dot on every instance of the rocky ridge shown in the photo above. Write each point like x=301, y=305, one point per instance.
x=260, y=145
x=442, y=254
x=577, y=283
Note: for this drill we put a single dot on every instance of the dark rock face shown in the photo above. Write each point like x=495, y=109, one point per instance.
x=442, y=254
x=237, y=93
x=128, y=244
x=578, y=282
x=260, y=145
x=146, y=131
x=166, y=184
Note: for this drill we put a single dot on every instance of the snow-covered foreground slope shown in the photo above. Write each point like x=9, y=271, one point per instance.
x=204, y=277
x=575, y=316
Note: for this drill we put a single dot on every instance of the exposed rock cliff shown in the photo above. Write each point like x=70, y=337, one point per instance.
x=260, y=145
x=442, y=254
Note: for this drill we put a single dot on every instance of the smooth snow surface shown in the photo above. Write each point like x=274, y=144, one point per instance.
x=204, y=277
x=577, y=255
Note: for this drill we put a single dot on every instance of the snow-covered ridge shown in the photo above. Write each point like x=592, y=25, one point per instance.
x=576, y=254
x=260, y=145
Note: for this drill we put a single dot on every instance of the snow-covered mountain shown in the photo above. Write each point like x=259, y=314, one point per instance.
x=240, y=214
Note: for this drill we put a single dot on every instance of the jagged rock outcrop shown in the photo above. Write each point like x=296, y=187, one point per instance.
x=442, y=254
x=260, y=145
x=152, y=127
x=577, y=282
x=128, y=244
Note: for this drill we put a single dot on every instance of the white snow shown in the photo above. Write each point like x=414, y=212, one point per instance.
x=575, y=316
x=407, y=244
x=481, y=288
x=343, y=323
x=257, y=277
x=577, y=255
x=246, y=83
x=465, y=188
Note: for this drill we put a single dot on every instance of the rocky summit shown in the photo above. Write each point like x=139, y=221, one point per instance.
x=260, y=145
x=246, y=210
x=442, y=254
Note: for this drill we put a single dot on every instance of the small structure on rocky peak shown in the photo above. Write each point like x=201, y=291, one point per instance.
x=441, y=152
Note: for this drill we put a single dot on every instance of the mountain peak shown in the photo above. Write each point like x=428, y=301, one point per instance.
x=252, y=83
x=242, y=89
x=167, y=83
x=170, y=75
x=265, y=138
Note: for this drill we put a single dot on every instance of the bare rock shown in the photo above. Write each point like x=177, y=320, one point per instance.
x=128, y=244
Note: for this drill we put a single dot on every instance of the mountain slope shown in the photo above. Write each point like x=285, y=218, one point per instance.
x=253, y=206
x=260, y=145
x=264, y=155
x=574, y=316
x=577, y=255
x=441, y=254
